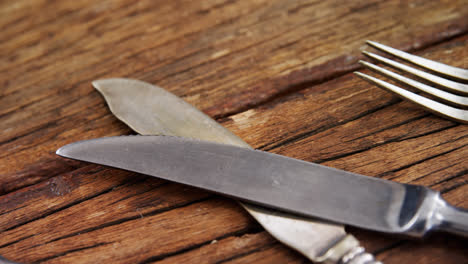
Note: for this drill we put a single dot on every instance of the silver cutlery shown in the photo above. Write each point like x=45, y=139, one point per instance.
x=279, y=182
x=453, y=94
x=151, y=110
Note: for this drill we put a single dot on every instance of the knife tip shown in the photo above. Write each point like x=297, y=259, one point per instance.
x=61, y=151
x=97, y=84
x=70, y=150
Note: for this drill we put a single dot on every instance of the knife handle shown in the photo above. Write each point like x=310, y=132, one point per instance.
x=347, y=251
x=451, y=219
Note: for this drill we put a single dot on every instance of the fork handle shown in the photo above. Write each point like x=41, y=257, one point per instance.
x=451, y=219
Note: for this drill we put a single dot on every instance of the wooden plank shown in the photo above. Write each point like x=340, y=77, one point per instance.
x=269, y=255
x=223, y=250
x=115, y=198
x=276, y=73
x=28, y=204
x=408, y=121
x=232, y=55
x=137, y=240
x=425, y=253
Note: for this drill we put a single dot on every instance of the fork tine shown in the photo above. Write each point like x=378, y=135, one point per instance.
x=453, y=86
x=448, y=97
x=456, y=114
x=448, y=70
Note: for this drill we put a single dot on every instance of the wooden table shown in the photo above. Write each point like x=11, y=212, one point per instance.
x=276, y=73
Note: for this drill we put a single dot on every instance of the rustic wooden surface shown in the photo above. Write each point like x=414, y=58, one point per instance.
x=276, y=73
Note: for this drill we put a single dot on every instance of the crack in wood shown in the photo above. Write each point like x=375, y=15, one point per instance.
x=256, y=250
x=191, y=67
x=307, y=134
x=405, y=122
x=458, y=175
x=294, y=88
x=419, y=162
x=451, y=188
x=61, y=208
x=429, y=174
x=40, y=99
x=15, y=241
x=72, y=251
x=139, y=193
x=249, y=230
x=9, y=211
x=126, y=219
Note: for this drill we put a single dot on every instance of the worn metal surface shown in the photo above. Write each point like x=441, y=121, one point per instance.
x=275, y=181
x=151, y=110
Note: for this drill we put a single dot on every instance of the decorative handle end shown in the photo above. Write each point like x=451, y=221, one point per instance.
x=347, y=251
x=358, y=255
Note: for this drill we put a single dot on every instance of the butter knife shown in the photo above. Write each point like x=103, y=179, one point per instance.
x=151, y=110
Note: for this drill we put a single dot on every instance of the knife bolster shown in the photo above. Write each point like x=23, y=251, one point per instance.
x=449, y=218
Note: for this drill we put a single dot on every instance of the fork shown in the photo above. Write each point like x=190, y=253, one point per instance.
x=454, y=100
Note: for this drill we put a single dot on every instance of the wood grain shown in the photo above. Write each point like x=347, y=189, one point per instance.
x=277, y=73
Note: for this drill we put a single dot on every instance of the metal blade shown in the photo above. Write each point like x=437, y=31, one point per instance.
x=262, y=178
x=151, y=110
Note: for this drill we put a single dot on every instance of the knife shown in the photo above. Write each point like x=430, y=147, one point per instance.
x=278, y=182
x=151, y=110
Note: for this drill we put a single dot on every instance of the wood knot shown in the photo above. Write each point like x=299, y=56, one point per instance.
x=62, y=185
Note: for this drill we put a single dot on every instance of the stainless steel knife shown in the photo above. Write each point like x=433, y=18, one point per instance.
x=278, y=182
x=151, y=110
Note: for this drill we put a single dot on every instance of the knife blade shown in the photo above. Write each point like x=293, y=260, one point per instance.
x=151, y=110
x=278, y=182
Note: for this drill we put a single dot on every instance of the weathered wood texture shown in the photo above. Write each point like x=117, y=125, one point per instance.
x=277, y=73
